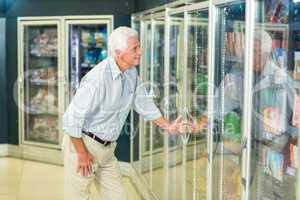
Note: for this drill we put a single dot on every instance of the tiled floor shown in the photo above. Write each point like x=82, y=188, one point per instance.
x=27, y=180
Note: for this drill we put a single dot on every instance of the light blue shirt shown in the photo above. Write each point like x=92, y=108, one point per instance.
x=103, y=100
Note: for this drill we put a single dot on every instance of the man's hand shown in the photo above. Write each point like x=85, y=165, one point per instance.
x=84, y=165
x=198, y=125
x=84, y=158
x=177, y=126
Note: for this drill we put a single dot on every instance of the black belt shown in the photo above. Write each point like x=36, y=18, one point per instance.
x=93, y=136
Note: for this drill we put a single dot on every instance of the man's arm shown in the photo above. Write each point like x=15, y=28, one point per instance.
x=86, y=99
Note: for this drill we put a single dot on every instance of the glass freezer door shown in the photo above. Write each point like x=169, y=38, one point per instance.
x=158, y=92
x=195, y=155
x=134, y=116
x=275, y=104
x=87, y=46
x=175, y=85
x=40, y=67
x=228, y=101
x=146, y=156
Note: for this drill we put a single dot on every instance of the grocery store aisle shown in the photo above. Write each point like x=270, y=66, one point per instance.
x=28, y=180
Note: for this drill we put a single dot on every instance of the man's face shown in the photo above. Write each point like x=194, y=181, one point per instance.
x=132, y=54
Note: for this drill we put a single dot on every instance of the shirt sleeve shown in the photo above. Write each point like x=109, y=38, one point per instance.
x=143, y=103
x=86, y=99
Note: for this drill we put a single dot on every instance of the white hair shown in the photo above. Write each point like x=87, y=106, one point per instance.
x=265, y=40
x=118, y=39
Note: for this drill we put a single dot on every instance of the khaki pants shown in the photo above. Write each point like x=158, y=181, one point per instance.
x=106, y=172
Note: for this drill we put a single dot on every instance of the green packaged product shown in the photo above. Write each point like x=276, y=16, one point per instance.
x=232, y=126
x=202, y=84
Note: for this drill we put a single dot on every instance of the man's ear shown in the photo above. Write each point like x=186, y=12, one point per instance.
x=118, y=53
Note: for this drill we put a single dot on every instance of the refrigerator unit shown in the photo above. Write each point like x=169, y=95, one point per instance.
x=54, y=53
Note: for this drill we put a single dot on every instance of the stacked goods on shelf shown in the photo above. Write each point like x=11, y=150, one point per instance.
x=297, y=61
x=41, y=85
x=273, y=163
x=45, y=129
x=277, y=11
x=201, y=82
x=93, y=39
x=44, y=76
x=273, y=103
x=94, y=45
x=232, y=126
x=235, y=44
x=44, y=43
x=45, y=101
x=294, y=153
x=296, y=112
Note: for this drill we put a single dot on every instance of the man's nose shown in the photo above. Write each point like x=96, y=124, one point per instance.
x=139, y=52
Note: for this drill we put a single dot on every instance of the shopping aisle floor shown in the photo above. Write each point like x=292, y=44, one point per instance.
x=27, y=180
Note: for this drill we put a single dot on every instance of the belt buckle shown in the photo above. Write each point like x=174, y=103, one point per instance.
x=106, y=143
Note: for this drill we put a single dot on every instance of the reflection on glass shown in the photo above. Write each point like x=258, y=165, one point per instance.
x=228, y=104
x=196, y=156
x=87, y=47
x=136, y=129
x=158, y=77
x=175, y=182
x=146, y=156
x=41, y=89
x=158, y=90
x=275, y=103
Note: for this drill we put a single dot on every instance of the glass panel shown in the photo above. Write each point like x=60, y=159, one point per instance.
x=196, y=159
x=228, y=102
x=136, y=129
x=87, y=47
x=146, y=157
x=175, y=182
x=275, y=102
x=41, y=89
x=158, y=89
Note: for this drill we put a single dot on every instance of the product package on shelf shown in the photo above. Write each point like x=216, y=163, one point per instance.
x=44, y=101
x=93, y=57
x=232, y=126
x=280, y=56
x=297, y=61
x=271, y=120
x=273, y=110
x=233, y=86
x=294, y=155
x=45, y=43
x=277, y=11
x=45, y=129
x=44, y=76
x=93, y=39
x=273, y=163
x=296, y=112
x=201, y=83
x=235, y=45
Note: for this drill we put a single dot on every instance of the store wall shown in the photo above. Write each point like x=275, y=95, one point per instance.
x=141, y=5
x=2, y=6
x=15, y=8
x=3, y=103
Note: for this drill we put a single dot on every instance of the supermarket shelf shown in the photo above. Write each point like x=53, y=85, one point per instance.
x=43, y=83
x=44, y=55
x=53, y=114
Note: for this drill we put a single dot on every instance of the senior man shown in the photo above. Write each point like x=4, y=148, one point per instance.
x=93, y=121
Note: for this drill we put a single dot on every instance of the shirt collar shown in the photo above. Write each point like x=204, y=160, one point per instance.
x=115, y=70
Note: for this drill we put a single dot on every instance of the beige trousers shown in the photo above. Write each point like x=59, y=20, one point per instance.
x=106, y=172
